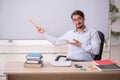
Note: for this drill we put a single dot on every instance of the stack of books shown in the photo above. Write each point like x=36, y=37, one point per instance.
x=106, y=65
x=33, y=60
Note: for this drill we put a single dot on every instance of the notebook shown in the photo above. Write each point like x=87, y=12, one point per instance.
x=103, y=62
x=34, y=56
x=109, y=67
x=61, y=63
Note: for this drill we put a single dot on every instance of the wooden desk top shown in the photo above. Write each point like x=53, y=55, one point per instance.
x=18, y=68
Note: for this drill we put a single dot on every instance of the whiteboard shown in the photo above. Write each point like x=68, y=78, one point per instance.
x=52, y=15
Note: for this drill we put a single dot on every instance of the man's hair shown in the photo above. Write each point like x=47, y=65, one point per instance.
x=77, y=12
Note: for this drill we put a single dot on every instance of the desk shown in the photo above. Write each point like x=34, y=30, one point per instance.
x=16, y=71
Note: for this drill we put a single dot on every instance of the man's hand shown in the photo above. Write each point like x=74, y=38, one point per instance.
x=40, y=30
x=76, y=43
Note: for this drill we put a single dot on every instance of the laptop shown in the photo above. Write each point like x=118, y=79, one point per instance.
x=61, y=63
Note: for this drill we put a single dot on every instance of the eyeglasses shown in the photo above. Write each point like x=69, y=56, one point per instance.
x=75, y=20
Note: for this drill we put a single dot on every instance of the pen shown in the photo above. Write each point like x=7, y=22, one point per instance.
x=32, y=23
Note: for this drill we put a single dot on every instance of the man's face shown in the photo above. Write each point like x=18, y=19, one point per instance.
x=78, y=21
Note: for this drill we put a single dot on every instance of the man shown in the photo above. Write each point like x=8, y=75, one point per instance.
x=83, y=43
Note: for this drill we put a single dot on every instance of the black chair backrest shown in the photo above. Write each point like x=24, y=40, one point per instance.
x=99, y=56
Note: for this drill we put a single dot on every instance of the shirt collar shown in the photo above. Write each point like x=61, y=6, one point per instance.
x=83, y=31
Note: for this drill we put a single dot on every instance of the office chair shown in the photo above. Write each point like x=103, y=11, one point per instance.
x=97, y=57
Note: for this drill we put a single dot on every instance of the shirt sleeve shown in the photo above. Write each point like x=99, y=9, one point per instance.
x=56, y=41
x=94, y=47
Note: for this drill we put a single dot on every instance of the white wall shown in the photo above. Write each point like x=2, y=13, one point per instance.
x=30, y=46
x=53, y=15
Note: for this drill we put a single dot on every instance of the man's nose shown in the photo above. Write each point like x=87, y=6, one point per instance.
x=77, y=21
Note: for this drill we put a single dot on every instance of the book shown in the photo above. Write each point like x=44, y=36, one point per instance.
x=61, y=63
x=33, y=61
x=108, y=67
x=103, y=62
x=34, y=56
x=33, y=65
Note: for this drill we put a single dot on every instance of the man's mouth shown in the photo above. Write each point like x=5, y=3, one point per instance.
x=78, y=24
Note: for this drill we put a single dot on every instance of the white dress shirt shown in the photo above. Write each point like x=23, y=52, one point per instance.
x=89, y=48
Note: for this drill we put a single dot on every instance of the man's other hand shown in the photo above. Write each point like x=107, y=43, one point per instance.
x=75, y=42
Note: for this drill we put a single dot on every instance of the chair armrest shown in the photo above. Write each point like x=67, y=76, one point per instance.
x=58, y=57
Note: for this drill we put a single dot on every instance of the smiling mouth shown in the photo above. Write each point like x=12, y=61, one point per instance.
x=78, y=24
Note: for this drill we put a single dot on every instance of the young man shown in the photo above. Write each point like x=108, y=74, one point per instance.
x=83, y=43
